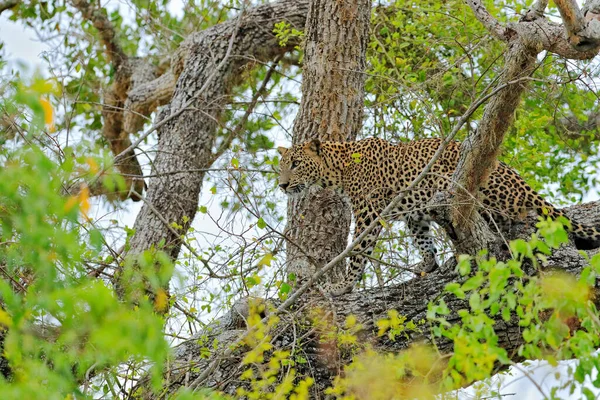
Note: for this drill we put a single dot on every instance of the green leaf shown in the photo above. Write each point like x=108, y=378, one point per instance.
x=464, y=264
x=455, y=289
x=475, y=301
x=284, y=288
x=266, y=260
x=473, y=282
x=261, y=223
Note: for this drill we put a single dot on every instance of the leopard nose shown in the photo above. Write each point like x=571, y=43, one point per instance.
x=283, y=186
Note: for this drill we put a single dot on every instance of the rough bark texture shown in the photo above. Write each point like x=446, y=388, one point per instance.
x=129, y=72
x=336, y=38
x=582, y=26
x=186, y=141
x=410, y=299
x=479, y=151
x=146, y=97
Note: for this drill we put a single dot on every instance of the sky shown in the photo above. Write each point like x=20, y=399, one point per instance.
x=22, y=46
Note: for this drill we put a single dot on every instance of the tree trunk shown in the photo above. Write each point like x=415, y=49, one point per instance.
x=186, y=140
x=323, y=359
x=480, y=150
x=336, y=38
x=318, y=225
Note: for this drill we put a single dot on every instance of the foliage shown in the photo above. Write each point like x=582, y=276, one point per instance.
x=427, y=63
x=262, y=377
x=556, y=311
x=60, y=325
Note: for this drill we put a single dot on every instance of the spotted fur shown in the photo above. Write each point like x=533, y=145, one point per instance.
x=373, y=171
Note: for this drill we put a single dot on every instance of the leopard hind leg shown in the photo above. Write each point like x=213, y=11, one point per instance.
x=419, y=224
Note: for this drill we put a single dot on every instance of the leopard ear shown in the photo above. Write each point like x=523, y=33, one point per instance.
x=282, y=150
x=315, y=146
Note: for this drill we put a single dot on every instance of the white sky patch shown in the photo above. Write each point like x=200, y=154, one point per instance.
x=21, y=46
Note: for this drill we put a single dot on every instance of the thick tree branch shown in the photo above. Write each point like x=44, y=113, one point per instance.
x=572, y=18
x=479, y=151
x=129, y=71
x=144, y=98
x=583, y=30
x=409, y=299
x=115, y=117
x=546, y=35
x=186, y=141
x=534, y=30
x=498, y=30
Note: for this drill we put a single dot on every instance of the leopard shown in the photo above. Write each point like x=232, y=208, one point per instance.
x=371, y=172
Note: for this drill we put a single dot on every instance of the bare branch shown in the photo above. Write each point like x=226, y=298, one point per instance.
x=533, y=30
x=144, y=98
x=492, y=24
x=583, y=31
x=546, y=35
x=572, y=18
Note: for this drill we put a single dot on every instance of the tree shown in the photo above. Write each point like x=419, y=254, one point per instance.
x=433, y=69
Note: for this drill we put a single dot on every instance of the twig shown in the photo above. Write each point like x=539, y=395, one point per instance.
x=317, y=275
x=242, y=123
x=212, y=274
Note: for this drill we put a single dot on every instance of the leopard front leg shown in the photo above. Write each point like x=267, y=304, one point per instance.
x=419, y=226
x=362, y=251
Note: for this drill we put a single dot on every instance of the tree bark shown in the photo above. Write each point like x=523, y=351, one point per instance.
x=311, y=228
x=479, y=151
x=409, y=299
x=185, y=142
x=581, y=26
x=336, y=38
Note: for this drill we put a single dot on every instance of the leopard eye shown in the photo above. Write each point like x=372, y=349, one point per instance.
x=295, y=163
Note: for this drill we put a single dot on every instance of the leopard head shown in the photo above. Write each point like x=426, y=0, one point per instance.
x=300, y=166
